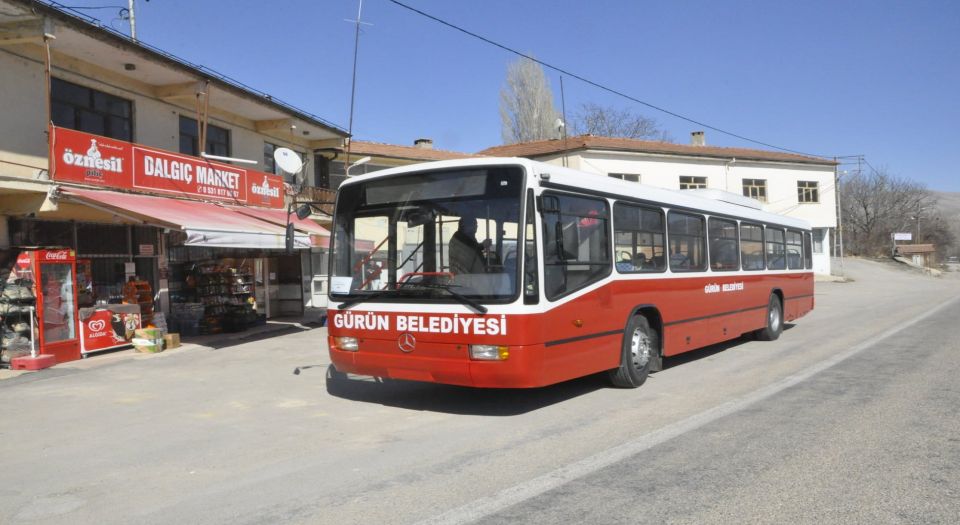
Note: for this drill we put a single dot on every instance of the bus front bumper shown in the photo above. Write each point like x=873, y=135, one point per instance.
x=442, y=363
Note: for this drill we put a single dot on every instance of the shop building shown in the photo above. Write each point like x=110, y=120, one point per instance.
x=112, y=150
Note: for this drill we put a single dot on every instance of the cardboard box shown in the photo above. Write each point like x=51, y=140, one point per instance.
x=171, y=341
x=147, y=333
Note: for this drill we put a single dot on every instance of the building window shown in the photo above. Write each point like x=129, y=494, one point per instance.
x=218, y=139
x=632, y=177
x=84, y=109
x=808, y=191
x=269, y=165
x=321, y=171
x=692, y=183
x=755, y=189
x=818, y=237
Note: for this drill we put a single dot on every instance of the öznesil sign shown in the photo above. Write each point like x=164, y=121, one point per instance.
x=91, y=159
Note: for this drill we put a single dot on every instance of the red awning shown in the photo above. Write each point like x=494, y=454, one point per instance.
x=205, y=224
x=279, y=218
x=319, y=236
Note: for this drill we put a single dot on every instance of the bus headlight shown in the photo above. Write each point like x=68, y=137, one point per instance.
x=489, y=352
x=347, y=344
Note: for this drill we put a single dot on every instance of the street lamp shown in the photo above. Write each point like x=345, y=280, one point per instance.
x=364, y=160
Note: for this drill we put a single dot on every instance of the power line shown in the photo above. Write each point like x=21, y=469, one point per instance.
x=597, y=84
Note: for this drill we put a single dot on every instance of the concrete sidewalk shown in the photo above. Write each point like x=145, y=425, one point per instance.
x=273, y=328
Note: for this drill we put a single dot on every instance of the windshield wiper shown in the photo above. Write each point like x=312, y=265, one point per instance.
x=463, y=299
x=346, y=305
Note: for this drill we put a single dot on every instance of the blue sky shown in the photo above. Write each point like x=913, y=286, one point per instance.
x=878, y=78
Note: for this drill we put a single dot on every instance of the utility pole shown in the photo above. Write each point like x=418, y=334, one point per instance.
x=919, y=210
x=836, y=184
x=353, y=87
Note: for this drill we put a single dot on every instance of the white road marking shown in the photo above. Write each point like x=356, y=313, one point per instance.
x=487, y=506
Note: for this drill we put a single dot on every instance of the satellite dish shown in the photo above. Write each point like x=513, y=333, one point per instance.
x=288, y=160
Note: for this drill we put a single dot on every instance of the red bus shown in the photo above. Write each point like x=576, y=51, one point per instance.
x=513, y=273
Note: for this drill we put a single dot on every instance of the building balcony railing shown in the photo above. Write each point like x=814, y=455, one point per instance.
x=322, y=197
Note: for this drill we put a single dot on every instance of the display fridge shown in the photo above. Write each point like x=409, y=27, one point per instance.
x=54, y=274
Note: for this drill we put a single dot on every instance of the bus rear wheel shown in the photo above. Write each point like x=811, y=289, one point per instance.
x=641, y=346
x=774, y=327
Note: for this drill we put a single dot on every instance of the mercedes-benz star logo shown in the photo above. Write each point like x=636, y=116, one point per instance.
x=406, y=342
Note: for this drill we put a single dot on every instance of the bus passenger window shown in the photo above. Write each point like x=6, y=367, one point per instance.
x=776, y=250
x=576, y=243
x=807, y=251
x=794, y=250
x=688, y=244
x=639, y=238
x=724, y=255
x=751, y=246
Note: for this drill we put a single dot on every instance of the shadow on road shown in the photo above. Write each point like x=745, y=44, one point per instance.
x=449, y=399
x=707, y=351
x=218, y=342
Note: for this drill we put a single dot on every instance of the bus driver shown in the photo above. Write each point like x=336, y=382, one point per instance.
x=466, y=254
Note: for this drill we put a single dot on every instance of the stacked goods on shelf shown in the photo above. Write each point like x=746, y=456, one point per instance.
x=17, y=300
x=185, y=318
x=227, y=295
x=140, y=292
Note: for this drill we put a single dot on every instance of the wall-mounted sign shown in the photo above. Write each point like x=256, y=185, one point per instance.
x=903, y=236
x=146, y=250
x=100, y=161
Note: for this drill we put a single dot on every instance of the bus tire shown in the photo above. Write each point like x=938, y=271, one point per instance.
x=774, y=327
x=640, y=348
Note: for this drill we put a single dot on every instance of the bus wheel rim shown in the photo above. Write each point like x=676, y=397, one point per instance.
x=774, y=318
x=640, y=349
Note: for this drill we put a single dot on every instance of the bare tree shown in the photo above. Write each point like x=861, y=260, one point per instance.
x=609, y=121
x=526, y=104
x=878, y=204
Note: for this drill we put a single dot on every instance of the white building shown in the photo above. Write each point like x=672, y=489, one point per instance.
x=788, y=184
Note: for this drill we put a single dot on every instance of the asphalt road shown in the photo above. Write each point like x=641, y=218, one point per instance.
x=850, y=417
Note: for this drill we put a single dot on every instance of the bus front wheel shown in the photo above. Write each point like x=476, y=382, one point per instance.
x=774, y=327
x=640, y=349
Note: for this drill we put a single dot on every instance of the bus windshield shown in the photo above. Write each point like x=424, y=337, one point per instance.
x=436, y=236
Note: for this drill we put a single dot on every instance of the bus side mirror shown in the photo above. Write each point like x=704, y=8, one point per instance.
x=304, y=211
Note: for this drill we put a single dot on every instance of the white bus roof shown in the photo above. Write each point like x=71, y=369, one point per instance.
x=710, y=202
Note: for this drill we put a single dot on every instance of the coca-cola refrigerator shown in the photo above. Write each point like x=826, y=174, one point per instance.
x=55, y=277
